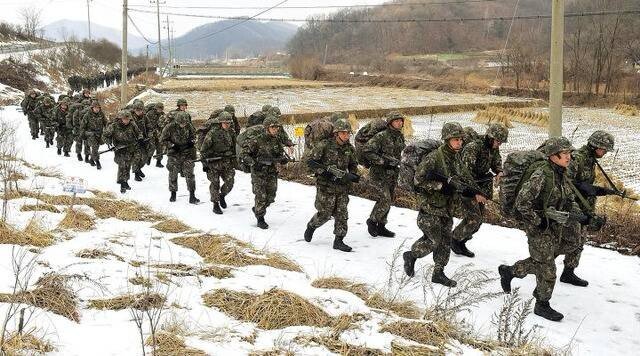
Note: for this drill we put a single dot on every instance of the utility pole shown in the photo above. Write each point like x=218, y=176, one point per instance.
x=146, y=61
x=157, y=2
x=123, y=66
x=169, y=28
x=89, y=19
x=173, y=45
x=557, y=64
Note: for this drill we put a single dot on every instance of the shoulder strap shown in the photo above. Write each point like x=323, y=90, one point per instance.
x=585, y=204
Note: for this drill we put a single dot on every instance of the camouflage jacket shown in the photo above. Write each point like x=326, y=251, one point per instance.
x=61, y=117
x=172, y=114
x=548, y=186
x=218, y=143
x=119, y=134
x=180, y=141
x=446, y=162
x=481, y=159
x=330, y=153
x=78, y=114
x=386, y=144
x=155, y=122
x=582, y=169
x=261, y=148
x=141, y=122
x=29, y=104
x=93, y=123
x=45, y=114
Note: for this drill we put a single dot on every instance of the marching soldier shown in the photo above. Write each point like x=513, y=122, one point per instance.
x=91, y=128
x=179, y=138
x=140, y=155
x=29, y=104
x=155, y=120
x=219, y=159
x=44, y=114
x=123, y=135
x=64, y=133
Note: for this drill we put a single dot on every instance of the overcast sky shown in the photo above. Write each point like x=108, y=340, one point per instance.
x=109, y=12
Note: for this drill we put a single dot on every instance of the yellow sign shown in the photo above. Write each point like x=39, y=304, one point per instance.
x=298, y=131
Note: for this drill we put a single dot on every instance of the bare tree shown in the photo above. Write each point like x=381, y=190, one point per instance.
x=31, y=19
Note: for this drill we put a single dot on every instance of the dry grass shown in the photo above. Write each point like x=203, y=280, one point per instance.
x=95, y=253
x=627, y=110
x=25, y=344
x=172, y=226
x=334, y=282
x=33, y=235
x=274, y=309
x=77, y=220
x=50, y=173
x=403, y=308
x=225, y=250
x=398, y=349
x=51, y=293
x=98, y=194
x=16, y=176
x=506, y=115
x=140, y=281
x=216, y=272
x=339, y=347
x=427, y=333
x=40, y=207
x=141, y=301
x=206, y=84
x=169, y=344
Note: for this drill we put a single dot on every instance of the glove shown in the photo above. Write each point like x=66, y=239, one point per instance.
x=141, y=142
x=188, y=145
x=431, y=175
x=448, y=189
x=468, y=193
x=283, y=160
x=205, y=168
x=584, y=219
x=544, y=223
x=392, y=161
x=328, y=176
x=596, y=222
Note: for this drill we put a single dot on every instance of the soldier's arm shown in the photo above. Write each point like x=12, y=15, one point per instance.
x=496, y=162
x=107, y=135
x=371, y=150
x=575, y=167
x=427, y=164
x=470, y=154
x=353, y=163
x=318, y=155
x=529, y=193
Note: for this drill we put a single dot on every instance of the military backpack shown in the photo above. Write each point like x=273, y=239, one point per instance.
x=411, y=157
x=365, y=134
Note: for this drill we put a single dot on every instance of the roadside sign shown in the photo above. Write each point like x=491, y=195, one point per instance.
x=75, y=185
x=298, y=131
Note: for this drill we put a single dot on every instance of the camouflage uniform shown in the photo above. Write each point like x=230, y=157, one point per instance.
x=64, y=135
x=124, y=136
x=141, y=154
x=264, y=177
x=155, y=119
x=384, y=151
x=219, y=144
x=236, y=125
x=180, y=142
x=92, y=126
x=171, y=115
x=481, y=159
x=28, y=105
x=78, y=112
x=332, y=196
x=44, y=114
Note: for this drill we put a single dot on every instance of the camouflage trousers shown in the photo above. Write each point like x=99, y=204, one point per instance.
x=217, y=171
x=81, y=141
x=93, y=144
x=49, y=133
x=330, y=203
x=383, y=190
x=64, y=140
x=123, y=159
x=264, y=188
x=140, y=158
x=154, y=149
x=182, y=166
x=436, y=238
x=544, y=247
x=33, y=125
x=472, y=214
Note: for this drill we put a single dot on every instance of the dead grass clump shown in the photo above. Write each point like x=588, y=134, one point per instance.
x=142, y=301
x=136, y=212
x=169, y=344
x=98, y=194
x=16, y=176
x=403, y=308
x=172, y=226
x=359, y=289
x=414, y=350
x=216, y=272
x=407, y=129
x=33, y=235
x=337, y=346
x=627, y=110
x=428, y=333
x=52, y=293
x=49, y=172
x=140, y=281
x=95, y=253
x=77, y=220
x=274, y=309
x=489, y=117
x=25, y=344
x=40, y=207
x=225, y=250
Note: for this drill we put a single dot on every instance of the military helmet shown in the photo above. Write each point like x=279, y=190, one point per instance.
x=86, y=91
x=602, y=139
x=122, y=114
x=452, y=130
x=274, y=111
x=138, y=105
x=182, y=118
x=47, y=101
x=555, y=145
x=271, y=121
x=95, y=104
x=159, y=105
x=498, y=132
x=470, y=134
x=64, y=101
x=393, y=115
x=230, y=109
x=86, y=102
x=338, y=115
x=266, y=108
x=181, y=101
x=216, y=113
x=32, y=91
x=341, y=125
x=62, y=97
x=225, y=116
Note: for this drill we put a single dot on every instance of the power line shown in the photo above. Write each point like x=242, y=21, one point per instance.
x=462, y=19
x=140, y=32
x=452, y=2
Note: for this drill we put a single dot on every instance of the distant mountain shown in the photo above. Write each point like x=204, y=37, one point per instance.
x=67, y=28
x=248, y=39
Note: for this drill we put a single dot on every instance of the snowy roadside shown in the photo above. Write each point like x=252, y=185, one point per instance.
x=605, y=317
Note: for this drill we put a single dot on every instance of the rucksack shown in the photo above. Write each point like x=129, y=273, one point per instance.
x=251, y=133
x=316, y=131
x=517, y=168
x=411, y=157
x=365, y=134
x=149, y=107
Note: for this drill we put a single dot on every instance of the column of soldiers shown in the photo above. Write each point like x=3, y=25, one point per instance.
x=102, y=79
x=554, y=201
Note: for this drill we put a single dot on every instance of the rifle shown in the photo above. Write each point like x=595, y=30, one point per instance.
x=457, y=183
x=334, y=171
x=615, y=190
x=270, y=161
x=118, y=148
x=563, y=217
x=212, y=159
x=390, y=162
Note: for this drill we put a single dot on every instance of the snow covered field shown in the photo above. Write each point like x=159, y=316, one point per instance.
x=603, y=319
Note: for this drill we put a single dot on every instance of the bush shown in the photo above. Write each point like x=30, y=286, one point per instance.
x=19, y=75
x=305, y=67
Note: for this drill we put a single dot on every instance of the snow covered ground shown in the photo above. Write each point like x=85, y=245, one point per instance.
x=603, y=319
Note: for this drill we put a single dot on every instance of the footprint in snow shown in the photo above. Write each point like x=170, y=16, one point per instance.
x=618, y=284
x=615, y=328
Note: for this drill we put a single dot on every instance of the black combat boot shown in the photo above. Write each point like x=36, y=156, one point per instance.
x=123, y=188
x=216, y=208
x=159, y=163
x=173, y=196
x=372, y=227
x=383, y=231
x=261, y=223
x=59, y=151
x=98, y=165
x=66, y=154
x=47, y=142
x=223, y=202
x=137, y=177
x=506, y=275
x=148, y=161
x=439, y=277
x=140, y=173
x=544, y=310
x=86, y=158
x=126, y=185
x=568, y=276
x=308, y=233
x=33, y=137
x=92, y=163
x=338, y=244
x=459, y=248
x=79, y=157
x=409, y=263
x=192, y=197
